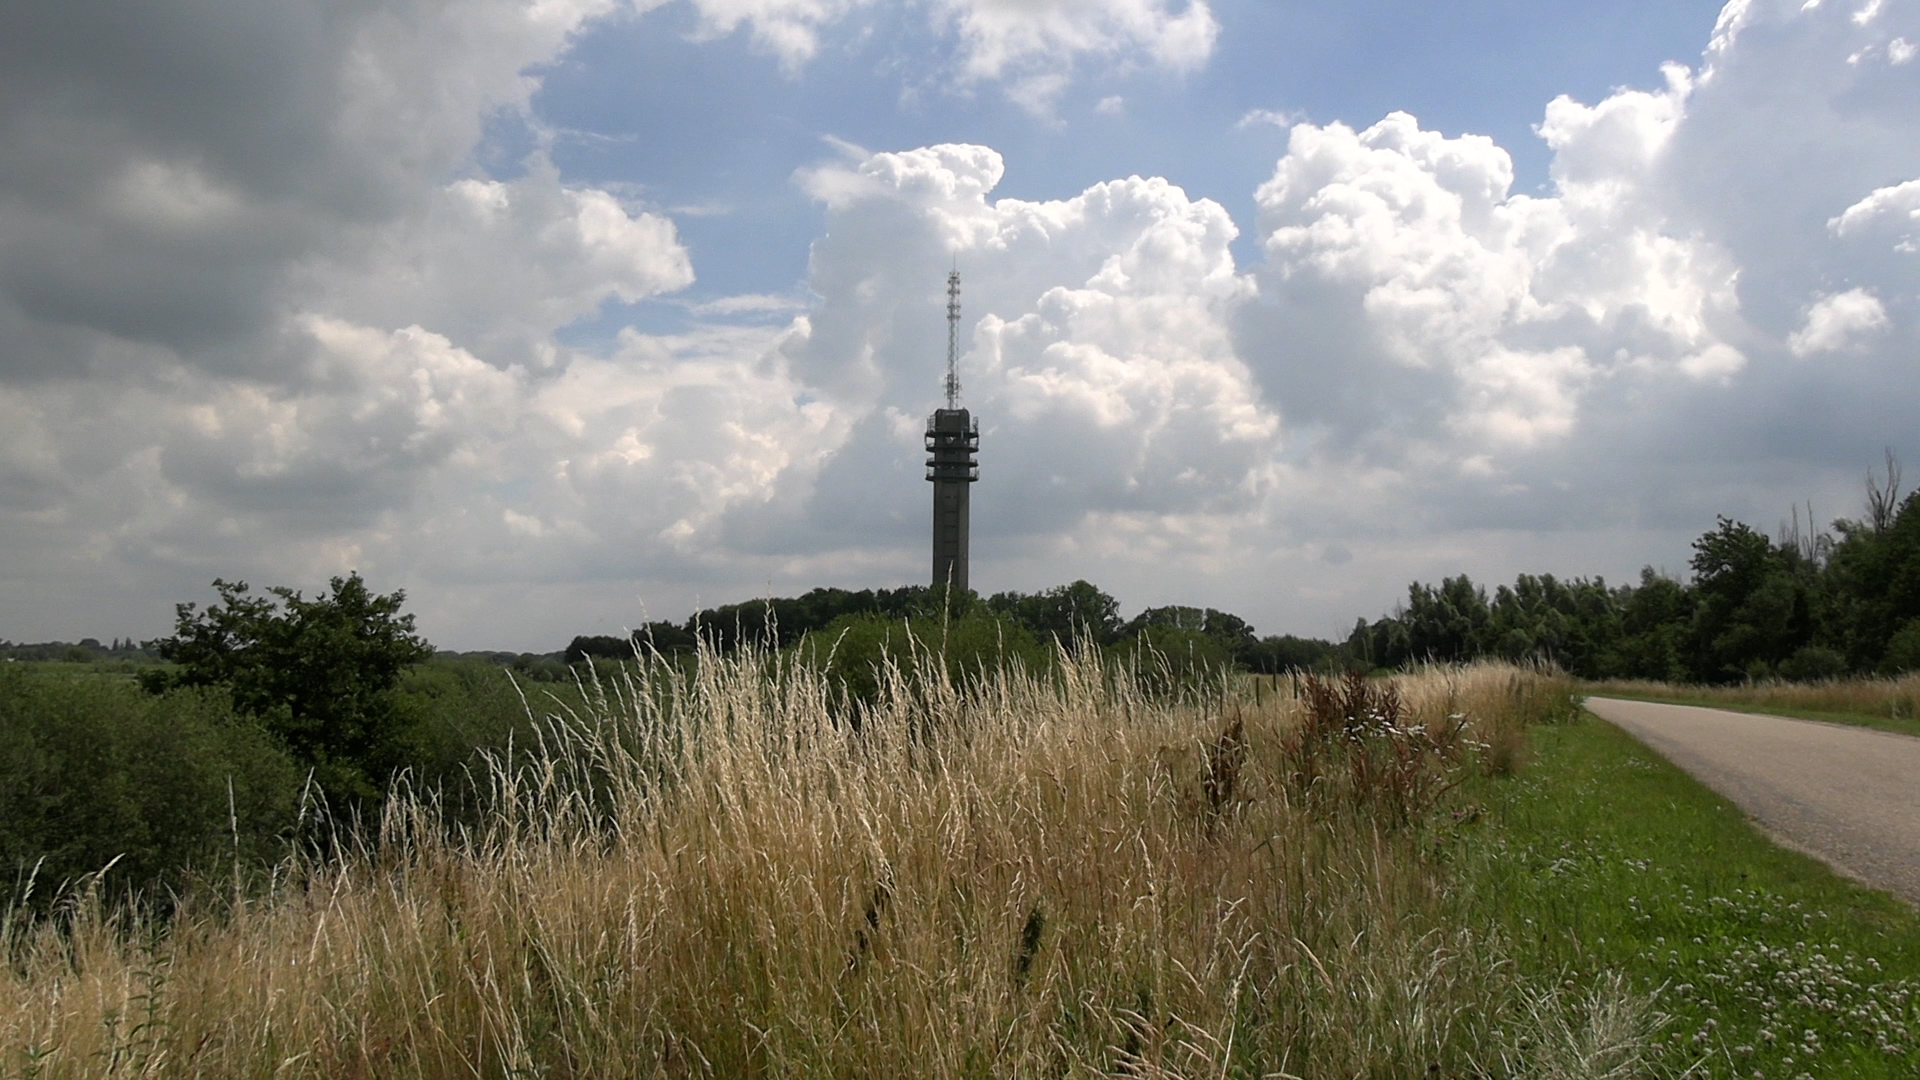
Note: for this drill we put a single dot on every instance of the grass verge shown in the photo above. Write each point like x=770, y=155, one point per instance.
x=1603, y=860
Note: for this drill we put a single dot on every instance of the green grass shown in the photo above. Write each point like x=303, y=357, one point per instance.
x=117, y=669
x=1602, y=857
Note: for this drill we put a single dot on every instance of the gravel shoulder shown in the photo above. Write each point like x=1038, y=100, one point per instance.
x=1849, y=796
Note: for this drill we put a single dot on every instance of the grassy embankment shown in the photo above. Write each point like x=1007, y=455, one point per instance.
x=1889, y=704
x=1035, y=877
x=1060, y=876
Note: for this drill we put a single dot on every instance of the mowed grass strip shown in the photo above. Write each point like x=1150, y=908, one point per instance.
x=1603, y=858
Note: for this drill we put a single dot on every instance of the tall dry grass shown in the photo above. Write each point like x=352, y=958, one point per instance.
x=1893, y=698
x=714, y=875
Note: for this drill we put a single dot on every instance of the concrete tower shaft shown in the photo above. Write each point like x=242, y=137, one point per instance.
x=953, y=440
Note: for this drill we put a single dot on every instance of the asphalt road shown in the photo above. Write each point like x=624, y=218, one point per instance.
x=1849, y=796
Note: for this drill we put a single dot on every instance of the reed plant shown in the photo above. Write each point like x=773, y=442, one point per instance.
x=724, y=870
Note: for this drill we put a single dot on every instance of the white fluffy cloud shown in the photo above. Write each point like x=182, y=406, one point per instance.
x=1466, y=317
x=1096, y=343
x=1896, y=207
x=1614, y=357
x=1005, y=34
x=255, y=328
x=790, y=29
x=499, y=266
x=1034, y=43
x=1839, y=322
x=1029, y=46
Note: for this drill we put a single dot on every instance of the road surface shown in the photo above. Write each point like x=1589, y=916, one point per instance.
x=1847, y=795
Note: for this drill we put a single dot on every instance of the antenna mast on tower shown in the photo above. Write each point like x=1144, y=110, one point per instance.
x=953, y=339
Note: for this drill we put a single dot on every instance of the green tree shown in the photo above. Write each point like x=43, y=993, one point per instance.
x=1169, y=657
x=1875, y=575
x=1656, y=619
x=600, y=646
x=1063, y=612
x=1448, y=623
x=1277, y=654
x=319, y=674
x=1173, y=616
x=1752, y=605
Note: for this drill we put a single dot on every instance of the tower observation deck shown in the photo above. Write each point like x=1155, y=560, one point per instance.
x=953, y=440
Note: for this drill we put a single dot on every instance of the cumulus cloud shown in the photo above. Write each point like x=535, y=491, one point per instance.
x=1098, y=348
x=790, y=29
x=500, y=265
x=1839, y=322
x=1453, y=359
x=253, y=324
x=1467, y=317
x=1889, y=207
x=1029, y=40
x=168, y=167
x=1029, y=46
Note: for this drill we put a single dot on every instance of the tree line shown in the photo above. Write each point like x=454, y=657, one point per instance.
x=1807, y=604
x=1065, y=614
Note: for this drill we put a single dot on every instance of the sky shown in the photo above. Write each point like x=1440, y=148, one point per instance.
x=567, y=315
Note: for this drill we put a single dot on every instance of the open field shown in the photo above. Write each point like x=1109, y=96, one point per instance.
x=719, y=877
x=1889, y=704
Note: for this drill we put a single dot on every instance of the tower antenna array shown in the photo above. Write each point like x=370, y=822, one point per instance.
x=953, y=339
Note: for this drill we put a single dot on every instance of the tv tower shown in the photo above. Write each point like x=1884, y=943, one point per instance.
x=953, y=438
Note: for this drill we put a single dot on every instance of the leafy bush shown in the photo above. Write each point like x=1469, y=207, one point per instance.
x=1903, y=649
x=1813, y=663
x=93, y=770
x=854, y=650
x=1169, y=659
x=1064, y=613
x=454, y=711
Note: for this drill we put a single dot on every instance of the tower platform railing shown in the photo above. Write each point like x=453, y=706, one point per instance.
x=951, y=447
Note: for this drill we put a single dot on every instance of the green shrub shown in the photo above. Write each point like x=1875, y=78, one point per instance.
x=454, y=710
x=92, y=769
x=854, y=649
x=1172, y=659
x=1813, y=663
x=1903, y=649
